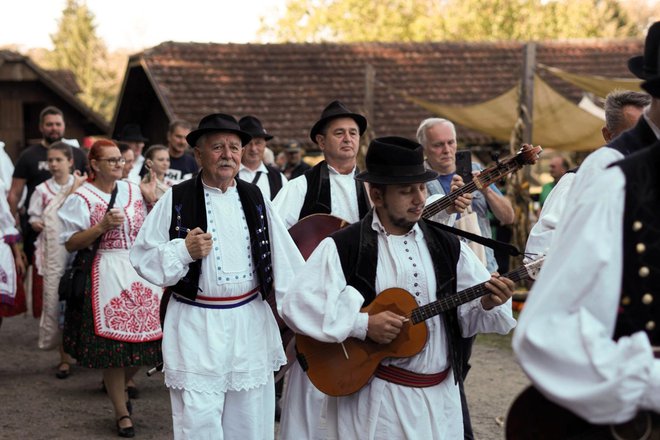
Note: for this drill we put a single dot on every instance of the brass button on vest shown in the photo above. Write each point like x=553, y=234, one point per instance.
x=647, y=298
x=637, y=225
x=625, y=300
x=644, y=271
x=640, y=248
x=650, y=325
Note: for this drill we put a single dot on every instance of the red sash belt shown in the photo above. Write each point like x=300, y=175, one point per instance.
x=407, y=378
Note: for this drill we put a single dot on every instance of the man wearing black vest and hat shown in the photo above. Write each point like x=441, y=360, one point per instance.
x=329, y=187
x=589, y=335
x=393, y=247
x=253, y=169
x=131, y=134
x=218, y=245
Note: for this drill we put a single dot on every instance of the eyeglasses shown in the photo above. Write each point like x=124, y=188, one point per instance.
x=113, y=161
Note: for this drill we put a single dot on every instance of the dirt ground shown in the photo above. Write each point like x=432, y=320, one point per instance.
x=36, y=405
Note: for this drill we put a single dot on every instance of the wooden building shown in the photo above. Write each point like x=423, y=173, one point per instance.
x=25, y=89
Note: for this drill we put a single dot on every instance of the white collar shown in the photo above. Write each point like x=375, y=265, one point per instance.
x=261, y=167
x=415, y=232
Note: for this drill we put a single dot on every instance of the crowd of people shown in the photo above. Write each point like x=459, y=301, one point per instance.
x=192, y=265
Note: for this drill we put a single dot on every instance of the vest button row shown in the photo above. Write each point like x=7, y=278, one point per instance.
x=637, y=225
x=640, y=248
x=644, y=271
x=647, y=299
x=650, y=325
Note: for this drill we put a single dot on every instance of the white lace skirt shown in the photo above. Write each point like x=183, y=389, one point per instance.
x=217, y=350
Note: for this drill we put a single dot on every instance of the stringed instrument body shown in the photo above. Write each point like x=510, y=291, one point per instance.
x=340, y=369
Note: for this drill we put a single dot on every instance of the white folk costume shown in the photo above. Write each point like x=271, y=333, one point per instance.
x=221, y=342
x=576, y=305
x=324, y=307
x=262, y=177
x=41, y=197
x=9, y=235
x=344, y=203
x=120, y=307
x=51, y=258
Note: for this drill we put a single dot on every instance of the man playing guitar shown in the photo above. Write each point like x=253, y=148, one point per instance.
x=393, y=247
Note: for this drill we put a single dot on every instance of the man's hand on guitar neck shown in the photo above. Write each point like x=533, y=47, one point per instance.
x=501, y=290
x=462, y=202
x=383, y=327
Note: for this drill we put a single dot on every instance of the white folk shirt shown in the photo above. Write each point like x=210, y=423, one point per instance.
x=248, y=175
x=321, y=305
x=564, y=338
x=540, y=237
x=343, y=197
x=216, y=350
x=8, y=233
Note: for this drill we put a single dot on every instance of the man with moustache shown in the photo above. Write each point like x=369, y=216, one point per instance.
x=217, y=244
x=32, y=169
x=415, y=397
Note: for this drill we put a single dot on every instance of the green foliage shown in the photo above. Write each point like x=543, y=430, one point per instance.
x=449, y=20
x=79, y=49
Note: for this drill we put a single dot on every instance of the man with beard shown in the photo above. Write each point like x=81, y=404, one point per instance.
x=32, y=169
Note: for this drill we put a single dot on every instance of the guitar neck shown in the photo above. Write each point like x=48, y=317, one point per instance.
x=484, y=179
x=447, y=303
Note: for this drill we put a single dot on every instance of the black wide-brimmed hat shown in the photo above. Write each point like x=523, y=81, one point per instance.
x=395, y=160
x=253, y=127
x=646, y=66
x=131, y=133
x=336, y=110
x=218, y=122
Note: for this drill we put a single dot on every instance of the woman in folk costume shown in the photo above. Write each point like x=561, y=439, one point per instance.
x=117, y=329
x=11, y=263
x=157, y=162
x=50, y=255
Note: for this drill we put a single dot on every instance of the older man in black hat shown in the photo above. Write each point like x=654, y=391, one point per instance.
x=329, y=187
x=588, y=336
x=217, y=244
x=253, y=169
x=392, y=246
x=131, y=134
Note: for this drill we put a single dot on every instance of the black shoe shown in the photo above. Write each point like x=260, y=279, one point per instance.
x=129, y=407
x=125, y=432
x=133, y=392
x=61, y=372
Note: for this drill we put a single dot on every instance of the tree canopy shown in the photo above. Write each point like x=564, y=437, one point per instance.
x=452, y=20
x=79, y=49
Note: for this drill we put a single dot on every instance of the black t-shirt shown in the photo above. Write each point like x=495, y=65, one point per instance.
x=181, y=168
x=32, y=165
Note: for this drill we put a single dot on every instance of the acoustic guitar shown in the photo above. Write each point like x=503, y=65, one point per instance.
x=533, y=417
x=340, y=369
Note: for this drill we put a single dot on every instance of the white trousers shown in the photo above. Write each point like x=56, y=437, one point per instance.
x=243, y=415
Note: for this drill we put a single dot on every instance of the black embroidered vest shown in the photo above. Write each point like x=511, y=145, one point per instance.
x=639, y=309
x=318, y=199
x=274, y=180
x=188, y=212
x=357, y=246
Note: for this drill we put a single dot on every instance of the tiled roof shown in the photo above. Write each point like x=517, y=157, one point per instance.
x=288, y=85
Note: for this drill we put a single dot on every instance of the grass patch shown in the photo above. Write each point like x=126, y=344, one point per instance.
x=498, y=341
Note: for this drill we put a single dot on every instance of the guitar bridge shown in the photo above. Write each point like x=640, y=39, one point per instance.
x=302, y=361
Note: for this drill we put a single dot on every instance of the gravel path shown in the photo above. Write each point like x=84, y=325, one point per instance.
x=36, y=405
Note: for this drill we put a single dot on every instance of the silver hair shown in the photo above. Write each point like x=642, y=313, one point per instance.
x=429, y=123
x=616, y=101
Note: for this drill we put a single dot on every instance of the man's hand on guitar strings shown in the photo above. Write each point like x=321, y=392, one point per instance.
x=385, y=326
x=501, y=290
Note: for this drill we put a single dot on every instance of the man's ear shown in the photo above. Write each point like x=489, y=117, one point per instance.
x=376, y=195
x=320, y=141
x=606, y=134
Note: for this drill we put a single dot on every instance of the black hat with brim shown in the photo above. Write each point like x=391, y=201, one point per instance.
x=646, y=66
x=253, y=127
x=131, y=133
x=217, y=122
x=395, y=160
x=336, y=110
